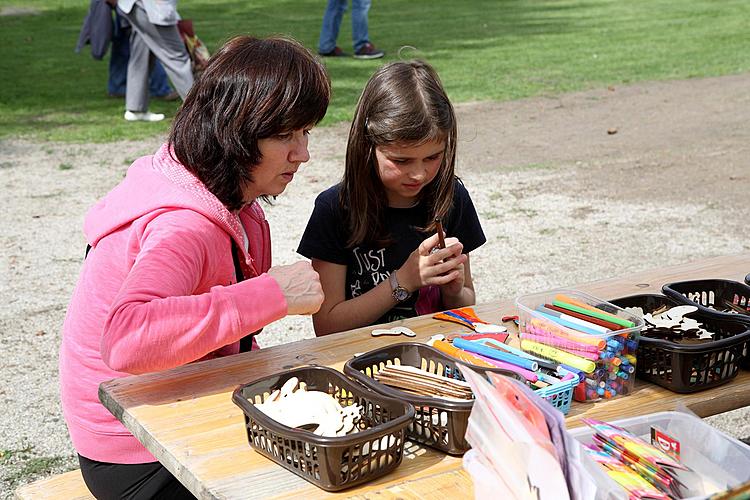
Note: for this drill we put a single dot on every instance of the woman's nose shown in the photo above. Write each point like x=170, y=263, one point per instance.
x=299, y=152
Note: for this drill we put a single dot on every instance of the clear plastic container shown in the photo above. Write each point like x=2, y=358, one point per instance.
x=717, y=461
x=606, y=355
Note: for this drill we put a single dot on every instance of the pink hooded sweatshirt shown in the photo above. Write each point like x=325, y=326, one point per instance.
x=158, y=290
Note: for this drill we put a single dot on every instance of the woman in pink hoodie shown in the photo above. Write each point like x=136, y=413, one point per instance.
x=179, y=266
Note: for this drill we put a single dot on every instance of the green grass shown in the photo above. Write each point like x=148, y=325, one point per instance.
x=483, y=50
x=25, y=464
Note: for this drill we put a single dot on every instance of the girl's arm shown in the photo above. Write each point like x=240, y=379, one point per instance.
x=459, y=292
x=422, y=268
x=338, y=314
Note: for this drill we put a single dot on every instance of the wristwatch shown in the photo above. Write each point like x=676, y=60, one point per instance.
x=399, y=293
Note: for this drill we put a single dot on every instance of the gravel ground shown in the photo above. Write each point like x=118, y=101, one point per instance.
x=560, y=199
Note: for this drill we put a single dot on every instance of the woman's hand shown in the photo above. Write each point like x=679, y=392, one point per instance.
x=441, y=267
x=300, y=284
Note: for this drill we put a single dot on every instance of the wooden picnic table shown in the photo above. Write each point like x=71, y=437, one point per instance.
x=186, y=418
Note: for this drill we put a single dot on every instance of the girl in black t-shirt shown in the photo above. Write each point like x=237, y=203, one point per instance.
x=372, y=237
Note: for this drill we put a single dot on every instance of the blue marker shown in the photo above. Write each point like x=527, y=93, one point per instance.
x=490, y=352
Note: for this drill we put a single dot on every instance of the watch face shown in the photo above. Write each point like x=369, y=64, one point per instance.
x=401, y=294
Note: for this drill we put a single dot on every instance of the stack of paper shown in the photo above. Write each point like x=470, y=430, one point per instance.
x=520, y=449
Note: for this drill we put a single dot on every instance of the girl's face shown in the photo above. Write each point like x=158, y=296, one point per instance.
x=281, y=156
x=405, y=170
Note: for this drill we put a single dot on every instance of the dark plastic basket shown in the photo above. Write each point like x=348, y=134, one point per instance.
x=688, y=368
x=439, y=423
x=707, y=293
x=331, y=463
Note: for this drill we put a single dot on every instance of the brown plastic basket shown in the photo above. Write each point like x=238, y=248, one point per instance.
x=331, y=463
x=438, y=423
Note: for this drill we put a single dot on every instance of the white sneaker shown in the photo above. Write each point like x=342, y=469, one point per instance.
x=146, y=116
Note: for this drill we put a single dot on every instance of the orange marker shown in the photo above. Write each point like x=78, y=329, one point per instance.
x=457, y=353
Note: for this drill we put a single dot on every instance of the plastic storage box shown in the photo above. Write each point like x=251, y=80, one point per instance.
x=331, y=463
x=607, y=357
x=688, y=368
x=717, y=461
x=439, y=423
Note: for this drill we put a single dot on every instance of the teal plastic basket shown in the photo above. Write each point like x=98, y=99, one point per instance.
x=559, y=395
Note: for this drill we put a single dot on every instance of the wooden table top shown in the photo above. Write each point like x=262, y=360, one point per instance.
x=187, y=419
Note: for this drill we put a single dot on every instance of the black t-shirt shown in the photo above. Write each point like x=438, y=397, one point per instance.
x=368, y=264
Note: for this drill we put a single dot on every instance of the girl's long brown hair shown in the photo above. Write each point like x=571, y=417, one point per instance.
x=403, y=103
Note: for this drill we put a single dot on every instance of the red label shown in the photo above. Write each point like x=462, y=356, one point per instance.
x=665, y=443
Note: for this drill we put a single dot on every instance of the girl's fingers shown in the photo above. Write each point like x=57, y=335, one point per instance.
x=428, y=244
x=441, y=268
x=451, y=241
x=443, y=279
x=449, y=253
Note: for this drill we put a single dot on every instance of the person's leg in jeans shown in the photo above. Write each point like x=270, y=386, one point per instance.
x=118, y=60
x=360, y=35
x=329, y=30
x=131, y=481
x=158, y=84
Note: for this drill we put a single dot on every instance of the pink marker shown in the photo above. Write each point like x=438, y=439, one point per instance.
x=558, y=342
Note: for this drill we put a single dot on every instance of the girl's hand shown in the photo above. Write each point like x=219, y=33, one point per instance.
x=455, y=287
x=424, y=267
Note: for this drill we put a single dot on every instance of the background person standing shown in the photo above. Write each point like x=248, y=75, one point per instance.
x=329, y=31
x=155, y=34
x=158, y=84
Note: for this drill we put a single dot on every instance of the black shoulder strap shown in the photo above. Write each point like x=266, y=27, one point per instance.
x=236, y=259
x=246, y=343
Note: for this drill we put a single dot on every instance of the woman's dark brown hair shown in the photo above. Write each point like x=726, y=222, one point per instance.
x=403, y=103
x=251, y=89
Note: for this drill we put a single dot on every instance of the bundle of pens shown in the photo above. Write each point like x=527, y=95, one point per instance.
x=586, y=334
x=551, y=381
x=642, y=469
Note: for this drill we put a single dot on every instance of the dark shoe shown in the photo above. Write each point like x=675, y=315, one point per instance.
x=336, y=52
x=368, y=51
x=172, y=96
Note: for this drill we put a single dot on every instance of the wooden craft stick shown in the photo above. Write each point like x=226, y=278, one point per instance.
x=439, y=229
x=422, y=382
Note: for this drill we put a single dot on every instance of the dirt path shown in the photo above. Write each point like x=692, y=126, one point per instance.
x=561, y=201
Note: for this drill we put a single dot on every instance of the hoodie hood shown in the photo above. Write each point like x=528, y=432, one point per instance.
x=158, y=183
